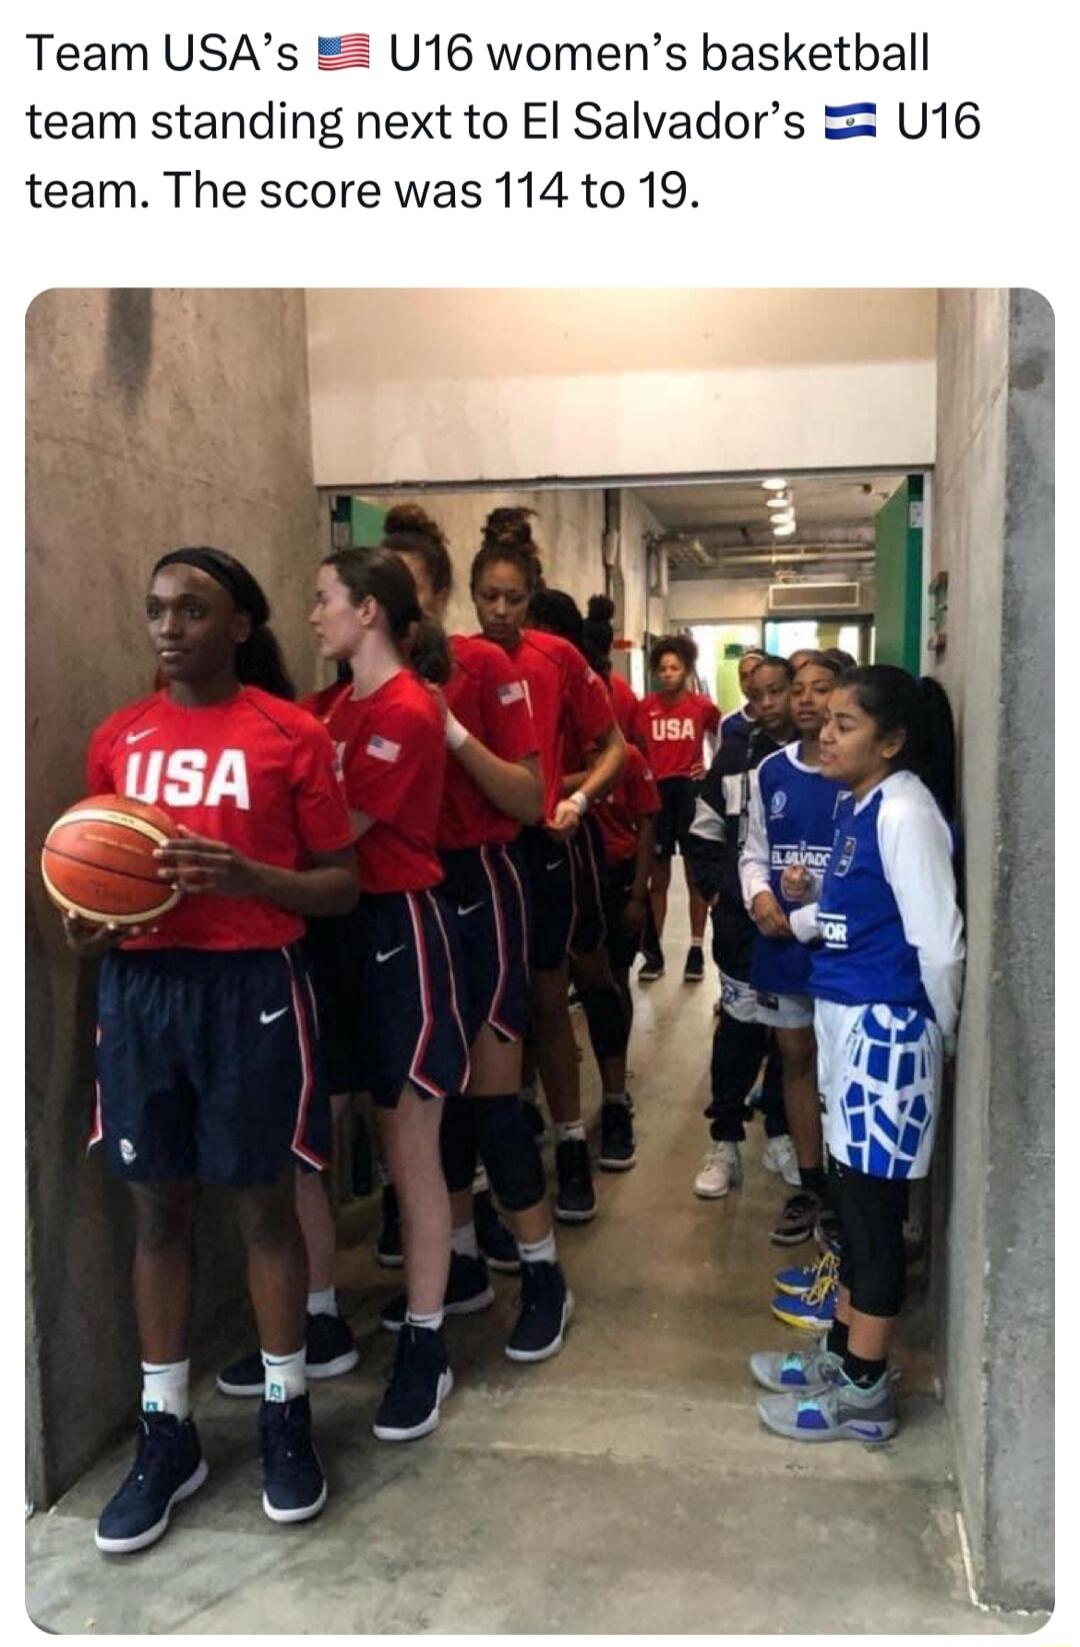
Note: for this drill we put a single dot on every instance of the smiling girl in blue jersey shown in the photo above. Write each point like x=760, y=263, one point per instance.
x=886, y=974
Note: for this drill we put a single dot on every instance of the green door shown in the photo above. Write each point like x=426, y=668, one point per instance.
x=898, y=577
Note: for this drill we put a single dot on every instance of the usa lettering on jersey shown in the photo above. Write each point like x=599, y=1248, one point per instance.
x=183, y=778
x=383, y=749
x=672, y=730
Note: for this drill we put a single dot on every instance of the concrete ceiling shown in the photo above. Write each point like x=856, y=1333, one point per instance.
x=723, y=529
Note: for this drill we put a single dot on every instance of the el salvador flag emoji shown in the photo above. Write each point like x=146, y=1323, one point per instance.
x=851, y=120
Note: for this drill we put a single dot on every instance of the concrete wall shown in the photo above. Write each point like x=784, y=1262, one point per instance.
x=569, y=528
x=153, y=420
x=993, y=513
x=731, y=600
x=520, y=385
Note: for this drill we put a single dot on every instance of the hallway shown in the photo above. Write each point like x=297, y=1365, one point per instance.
x=625, y=1486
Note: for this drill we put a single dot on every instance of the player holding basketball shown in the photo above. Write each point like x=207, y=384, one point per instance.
x=207, y=1068
x=886, y=973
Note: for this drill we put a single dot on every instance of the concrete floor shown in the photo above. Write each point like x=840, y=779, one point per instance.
x=626, y=1486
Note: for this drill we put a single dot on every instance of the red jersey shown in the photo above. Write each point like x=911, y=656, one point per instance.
x=674, y=732
x=634, y=796
x=488, y=697
x=255, y=771
x=565, y=695
x=626, y=702
x=392, y=748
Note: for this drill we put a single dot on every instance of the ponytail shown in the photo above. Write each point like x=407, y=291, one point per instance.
x=897, y=702
x=259, y=663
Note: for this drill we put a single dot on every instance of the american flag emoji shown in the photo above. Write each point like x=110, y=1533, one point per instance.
x=344, y=51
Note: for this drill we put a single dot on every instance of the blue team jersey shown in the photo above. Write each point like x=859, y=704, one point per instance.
x=798, y=813
x=864, y=956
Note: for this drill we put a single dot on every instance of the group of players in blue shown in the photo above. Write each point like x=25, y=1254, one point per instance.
x=387, y=888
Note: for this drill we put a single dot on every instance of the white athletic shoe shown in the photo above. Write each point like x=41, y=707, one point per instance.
x=721, y=1171
x=779, y=1156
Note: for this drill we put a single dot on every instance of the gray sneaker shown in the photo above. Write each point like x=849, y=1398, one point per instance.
x=800, y=1372
x=796, y=1219
x=839, y=1412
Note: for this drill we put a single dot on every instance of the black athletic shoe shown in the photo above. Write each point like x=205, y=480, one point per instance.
x=467, y=1291
x=419, y=1383
x=575, y=1198
x=388, y=1241
x=294, y=1488
x=496, y=1242
x=694, y=970
x=331, y=1351
x=546, y=1307
x=169, y=1466
x=796, y=1219
x=617, y=1153
x=652, y=965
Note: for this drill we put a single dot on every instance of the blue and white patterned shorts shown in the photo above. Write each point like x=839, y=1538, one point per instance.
x=879, y=1075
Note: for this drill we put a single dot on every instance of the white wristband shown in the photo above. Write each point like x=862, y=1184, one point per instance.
x=455, y=732
x=581, y=801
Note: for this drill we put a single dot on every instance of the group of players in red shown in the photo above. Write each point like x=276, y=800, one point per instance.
x=389, y=888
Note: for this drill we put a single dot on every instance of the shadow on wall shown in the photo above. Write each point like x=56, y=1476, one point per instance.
x=129, y=341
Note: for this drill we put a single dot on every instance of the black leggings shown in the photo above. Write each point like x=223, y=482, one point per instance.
x=737, y=1051
x=872, y=1262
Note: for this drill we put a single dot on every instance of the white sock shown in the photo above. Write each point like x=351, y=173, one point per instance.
x=322, y=1303
x=430, y=1323
x=569, y=1129
x=165, y=1387
x=463, y=1241
x=616, y=1097
x=480, y=1182
x=538, y=1252
x=286, y=1375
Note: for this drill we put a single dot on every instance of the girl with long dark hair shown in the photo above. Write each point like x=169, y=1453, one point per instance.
x=886, y=974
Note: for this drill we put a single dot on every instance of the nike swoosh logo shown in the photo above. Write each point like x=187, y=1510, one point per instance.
x=872, y=1432
x=134, y=737
x=380, y=957
x=268, y=1017
x=470, y=908
x=556, y=865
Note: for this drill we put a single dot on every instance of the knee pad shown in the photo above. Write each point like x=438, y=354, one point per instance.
x=608, y=1029
x=509, y=1151
x=872, y=1212
x=457, y=1144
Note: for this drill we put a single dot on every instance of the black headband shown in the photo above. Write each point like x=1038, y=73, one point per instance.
x=224, y=569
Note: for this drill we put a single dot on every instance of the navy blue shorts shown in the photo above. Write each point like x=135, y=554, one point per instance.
x=411, y=1008
x=678, y=800
x=334, y=945
x=486, y=886
x=208, y=1066
x=587, y=861
x=551, y=880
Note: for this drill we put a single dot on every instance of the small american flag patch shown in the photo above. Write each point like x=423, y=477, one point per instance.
x=512, y=692
x=383, y=749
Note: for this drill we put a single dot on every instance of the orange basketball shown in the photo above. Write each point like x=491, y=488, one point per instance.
x=98, y=859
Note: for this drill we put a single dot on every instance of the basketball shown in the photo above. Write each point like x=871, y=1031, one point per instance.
x=98, y=860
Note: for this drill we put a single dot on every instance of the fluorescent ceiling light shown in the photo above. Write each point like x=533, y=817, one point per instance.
x=780, y=501
x=783, y=531
x=775, y=483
